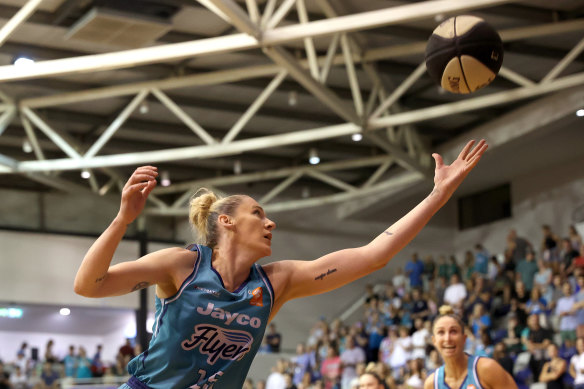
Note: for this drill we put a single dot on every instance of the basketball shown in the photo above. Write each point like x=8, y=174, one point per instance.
x=464, y=54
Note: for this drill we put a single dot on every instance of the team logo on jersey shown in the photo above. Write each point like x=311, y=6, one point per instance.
x=228, y=317
x=257, y=297
x=217, y=342
x=471, y=386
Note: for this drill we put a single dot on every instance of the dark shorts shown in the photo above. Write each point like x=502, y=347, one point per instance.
x=134, y=383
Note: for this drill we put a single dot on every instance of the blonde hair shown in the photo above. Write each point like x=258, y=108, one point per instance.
x=205, y=208
x=447, y=311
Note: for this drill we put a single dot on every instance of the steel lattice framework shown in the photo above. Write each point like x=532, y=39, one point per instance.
x=366, y=114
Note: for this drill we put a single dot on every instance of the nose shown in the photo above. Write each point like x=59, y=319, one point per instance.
x=270, y=225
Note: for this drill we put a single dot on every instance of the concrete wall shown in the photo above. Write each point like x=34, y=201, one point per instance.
x=548, y=196
x=40, y=268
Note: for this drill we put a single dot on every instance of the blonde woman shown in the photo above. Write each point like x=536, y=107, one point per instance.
x=213, y=301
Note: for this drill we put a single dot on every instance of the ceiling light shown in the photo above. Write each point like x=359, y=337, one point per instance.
x=64, y=311
x=85, y=174
x=144, y=108
x=26, y=146
x=357, y=137
x=292, y=98
x=165, y=178
x=313, y=157
x=23, y=61
x=439, y=17
x=237, y=168
x=580, y=112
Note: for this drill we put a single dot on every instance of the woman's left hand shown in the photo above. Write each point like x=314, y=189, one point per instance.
x=448, y=177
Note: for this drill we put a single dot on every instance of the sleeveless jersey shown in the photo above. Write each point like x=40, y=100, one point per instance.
x=204, y=335
x=470, y=382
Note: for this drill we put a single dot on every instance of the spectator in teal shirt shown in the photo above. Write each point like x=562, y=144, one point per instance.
x=83, y=364
x=526, y=268
x=70, y=362
x=481, y=260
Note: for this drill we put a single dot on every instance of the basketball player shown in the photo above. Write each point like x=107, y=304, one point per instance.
x=461, y=370
x=213, y=301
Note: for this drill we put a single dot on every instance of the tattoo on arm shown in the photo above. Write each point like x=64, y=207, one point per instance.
x=388, y=233
x=322, y=275
x=140, y=285
x=100, y=278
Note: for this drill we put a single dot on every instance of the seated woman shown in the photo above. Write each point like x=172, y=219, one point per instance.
x=553, y=370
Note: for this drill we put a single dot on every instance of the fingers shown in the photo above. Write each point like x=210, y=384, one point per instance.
x=477, y=156
x=143, y=173
x=141, y=177
x=438, y=159
x=137, y=187
x=478, y=149
x=466, y=149
x=149, y=187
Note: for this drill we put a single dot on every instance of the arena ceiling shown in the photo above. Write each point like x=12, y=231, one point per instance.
x=236, y=95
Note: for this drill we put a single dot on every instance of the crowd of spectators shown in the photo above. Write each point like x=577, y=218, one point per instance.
x=29, y=370
x=523, y=308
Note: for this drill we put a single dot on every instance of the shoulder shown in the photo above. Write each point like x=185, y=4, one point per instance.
x=177, y=262
x=492, y=375
x=487, y=364
x=429, y=383
x=172, y=255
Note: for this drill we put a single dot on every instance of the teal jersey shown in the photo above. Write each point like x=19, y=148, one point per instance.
x=205, y=336
x=470, y=382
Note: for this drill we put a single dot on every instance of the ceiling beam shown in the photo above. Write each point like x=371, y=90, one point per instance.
x=497, y=132
x=243, y=41
x=303, y=136
x=19, y=18
x=270, y=70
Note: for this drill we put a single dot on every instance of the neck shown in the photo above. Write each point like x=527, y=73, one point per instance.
x=456, y=367
x=232, y=264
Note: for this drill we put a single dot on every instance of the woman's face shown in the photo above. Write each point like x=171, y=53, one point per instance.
x=552, y=351
x=252, y=227
x=367, y=381
x=448, y=337
x=580, y=345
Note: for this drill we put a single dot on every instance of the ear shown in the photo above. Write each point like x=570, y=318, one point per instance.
x=225, y=221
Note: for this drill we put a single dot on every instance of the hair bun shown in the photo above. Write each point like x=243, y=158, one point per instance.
x=199, y=209
x=446, y=310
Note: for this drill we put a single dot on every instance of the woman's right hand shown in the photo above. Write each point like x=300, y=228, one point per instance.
x=135, y=193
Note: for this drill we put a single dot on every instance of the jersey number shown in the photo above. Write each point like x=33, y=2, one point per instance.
x=212, y=380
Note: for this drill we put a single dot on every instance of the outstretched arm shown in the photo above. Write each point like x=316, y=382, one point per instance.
x=293, y=279
x=95, y=277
